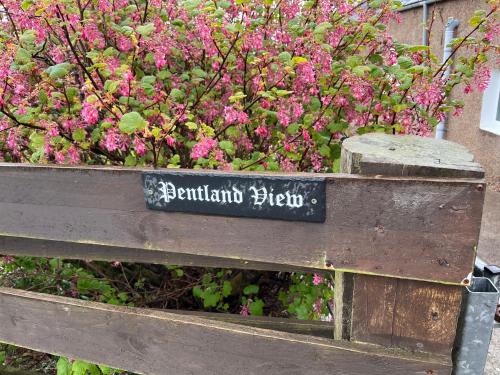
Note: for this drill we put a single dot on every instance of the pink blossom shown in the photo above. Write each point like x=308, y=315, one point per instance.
x=111, y=140
x=306, y=135
x=124, y=44
x=93, y=36
x=74, y=155
x=244, y=311
x=305, y=73
x=317, y=279
x=140, y=147
x=104, y=5
x=170, y=140
x=90, y=114
x=203, y=148
x=318, y=305
x=283, y=116
x=59, y=157
x=482, y=78
x=7, y=259
x=317, y=161
x=12, y=140
x=233, y=116
x=261, y=131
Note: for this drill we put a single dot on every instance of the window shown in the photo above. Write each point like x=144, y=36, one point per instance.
x=490, y=113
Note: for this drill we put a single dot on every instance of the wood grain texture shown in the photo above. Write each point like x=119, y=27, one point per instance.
x=343, y=291
x=368, y=219
x=407, y=155
x=405, y=313
x=156, y=343
x=315, y=328
x=5, y=370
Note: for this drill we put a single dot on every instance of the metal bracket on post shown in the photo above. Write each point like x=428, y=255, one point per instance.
x=482, y=269
x=476, y=327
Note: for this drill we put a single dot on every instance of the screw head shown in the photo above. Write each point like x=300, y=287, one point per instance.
x=314, y=201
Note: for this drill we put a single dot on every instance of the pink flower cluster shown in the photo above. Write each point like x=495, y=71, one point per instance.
x=203, y=148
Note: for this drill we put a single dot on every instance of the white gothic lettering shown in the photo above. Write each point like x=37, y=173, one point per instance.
x=259, y=196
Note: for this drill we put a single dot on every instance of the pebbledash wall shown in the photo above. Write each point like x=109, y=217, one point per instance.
x=466, y=129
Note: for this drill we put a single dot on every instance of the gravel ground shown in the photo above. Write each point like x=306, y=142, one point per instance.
x=489, y=250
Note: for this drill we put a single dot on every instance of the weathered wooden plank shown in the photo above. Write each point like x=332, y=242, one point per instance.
x=315, y=328
x=394, y=312
x=383, y=154
x=154, y=343
x=343, y=290
x=373, y=309
x=405, y=313
x=6, y=370
x=368, y=219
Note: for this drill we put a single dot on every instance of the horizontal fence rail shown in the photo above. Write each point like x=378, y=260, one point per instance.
x=157, y=343
x=412, y=228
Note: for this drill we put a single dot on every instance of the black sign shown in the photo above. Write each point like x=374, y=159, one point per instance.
x=287, y=198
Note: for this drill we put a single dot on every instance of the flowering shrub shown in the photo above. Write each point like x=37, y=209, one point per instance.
x=229, y=84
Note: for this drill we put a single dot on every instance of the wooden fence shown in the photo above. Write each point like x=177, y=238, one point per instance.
x=400, y=235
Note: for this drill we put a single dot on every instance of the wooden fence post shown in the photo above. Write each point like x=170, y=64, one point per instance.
x=393, y=312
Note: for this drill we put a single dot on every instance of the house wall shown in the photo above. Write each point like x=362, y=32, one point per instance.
x=465, y=129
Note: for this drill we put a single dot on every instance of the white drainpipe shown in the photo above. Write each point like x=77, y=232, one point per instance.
x=449, y=34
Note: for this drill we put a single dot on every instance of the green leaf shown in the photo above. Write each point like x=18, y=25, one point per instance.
x=251, y=289
x=28, y=37
x=179, y=272
x=353, y=61
x=475, y=21
x=2, y=357
x=285, y=57
x=200, y=73
x=298, y=60
x=283, y=92
x=293, y=128
x=105, y=370
x=256, y=307
x=320, y=30
x=132, y=122
x=130, y=161
x=405, y=62
x=197, y=292
x=191, y=4
x=111, y=86
x=191, y=125
x=84, y=368
x=22, y=56
x=418, y=48
x=26, y=4
x=399, y=107
x=227, y=146
x=211, y=299
x=63, y=366
x=227, y=288
x=146, y=30
x=375, y=3
x=79, y=135
x=237, y=97
x=335, y=127
x=324, y=150
x=59, y=70
x=177, y=95
x=361, y=70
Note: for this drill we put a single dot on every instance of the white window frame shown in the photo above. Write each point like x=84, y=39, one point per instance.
x=490, y=111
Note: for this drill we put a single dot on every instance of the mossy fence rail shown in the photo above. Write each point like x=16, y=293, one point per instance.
x=400, y=231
